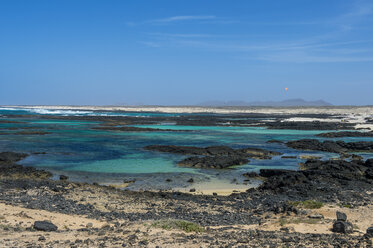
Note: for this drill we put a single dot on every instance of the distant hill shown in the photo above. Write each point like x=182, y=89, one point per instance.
x=285, y=103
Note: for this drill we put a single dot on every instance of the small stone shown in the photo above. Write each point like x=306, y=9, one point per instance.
x=341, y=216
x=191, y=180
x=370, y=232
x=250, y=174
x=41, y=238
x=316, y=216
x=143, y=242
x=45, y=226
x=63, y=177
x=192, y=190
x=89, y=225
x=214, y=194
x=168, y=180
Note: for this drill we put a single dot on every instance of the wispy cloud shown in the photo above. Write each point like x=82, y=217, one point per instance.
x=332, y=46
x=307, y=58
x=359, y=10
x=150, y=43
x=181, y=35
x=183, y=18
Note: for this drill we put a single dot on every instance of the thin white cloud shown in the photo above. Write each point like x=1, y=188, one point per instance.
x=181, y=35
x=183, y=18
x=150, y=44
x=360, y=10
x=327, y=47
x=305, y=58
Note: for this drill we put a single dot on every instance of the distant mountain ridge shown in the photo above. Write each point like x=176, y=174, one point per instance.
x=284, y=103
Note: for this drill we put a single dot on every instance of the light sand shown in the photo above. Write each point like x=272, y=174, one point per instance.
x=360, y=217
x=335, y=110
x=221, y=187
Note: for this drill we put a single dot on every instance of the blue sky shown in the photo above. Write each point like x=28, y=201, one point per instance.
x=174, y=52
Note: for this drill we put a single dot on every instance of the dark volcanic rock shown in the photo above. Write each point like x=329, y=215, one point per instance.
x=273, y=172
x=31, y=133
x=213, y=151
x=45, y=226
x=341, y=216
x=282, y=179
x=216, y=157
x=250, y=174
x=289, y=157
x=218, y=162
x=331, y=146
x=309, y=125
x=11, y=156
x=8, y=167
x=370, y=232
x=369, y=162
x=342, y=227
x=369, y=173
x=321, y=180
x=190, y=150
x=345, y=134
x=63, y=177
x=136, y=129
x=275, y=141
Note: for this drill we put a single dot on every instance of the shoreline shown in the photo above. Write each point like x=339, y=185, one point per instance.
x=279, y=211
x=289, y=208
x=342, y=110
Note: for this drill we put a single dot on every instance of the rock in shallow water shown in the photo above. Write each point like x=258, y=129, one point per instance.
x=215, y=157
x=213, y=162
x=63, y=177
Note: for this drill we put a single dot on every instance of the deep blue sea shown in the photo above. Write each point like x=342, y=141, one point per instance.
x=74, y=148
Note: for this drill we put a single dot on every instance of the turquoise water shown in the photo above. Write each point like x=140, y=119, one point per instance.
x=73, y=146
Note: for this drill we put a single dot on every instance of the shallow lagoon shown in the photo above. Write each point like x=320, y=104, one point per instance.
x=72, y=147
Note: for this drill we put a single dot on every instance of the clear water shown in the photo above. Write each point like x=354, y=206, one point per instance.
x=73, y=146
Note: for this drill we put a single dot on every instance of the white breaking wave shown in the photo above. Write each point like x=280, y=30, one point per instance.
x=59, y=112
x=43, y=111
x=64, y=112
x=4, y=108
x=69, y=112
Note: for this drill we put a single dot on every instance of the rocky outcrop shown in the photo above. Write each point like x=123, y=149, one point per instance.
x=345, y=134
x=11, y=157
x=217, y=162
x=135, y=129
x=214, y=151
x=275, y=141
x=309, y=125
x=9, y=168
x=320, y=179
x=331, y=146
x=369, y=232
x=217, y=157
x=45, y=226
x=342, y=225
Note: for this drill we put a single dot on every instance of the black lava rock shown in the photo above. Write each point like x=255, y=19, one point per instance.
x=341, y=216
x=369, y=233
x=45, y=226
x=342, y=227
x=63, y=177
